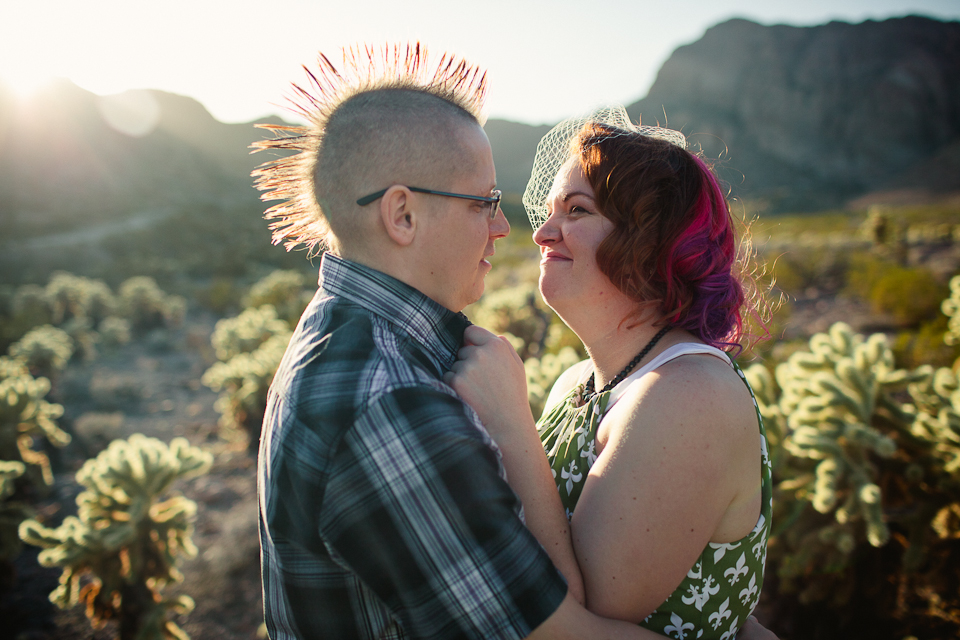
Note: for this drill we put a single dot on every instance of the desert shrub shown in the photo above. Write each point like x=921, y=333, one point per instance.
x=910, y=295
x=286, y=291
x=27, y=308
x=147, y=307
x=243, y=382
x=45, y=350
x=866, y=459
x=814, y=268
x=925, y=345
x=221, y=296
x=122, y=548
x=247, y=331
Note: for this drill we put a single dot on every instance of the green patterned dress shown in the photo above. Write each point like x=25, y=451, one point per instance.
x=723, y=586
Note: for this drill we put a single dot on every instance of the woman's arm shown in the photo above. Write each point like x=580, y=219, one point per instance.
x=490, y=377
x=680, y=467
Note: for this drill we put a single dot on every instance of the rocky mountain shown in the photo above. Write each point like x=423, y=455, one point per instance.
x=807, y=117
x=800, y=117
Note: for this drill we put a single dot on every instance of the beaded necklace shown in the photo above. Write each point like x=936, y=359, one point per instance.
x=586, y=391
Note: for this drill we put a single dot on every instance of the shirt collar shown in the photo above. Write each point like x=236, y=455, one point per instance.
x=434, y=326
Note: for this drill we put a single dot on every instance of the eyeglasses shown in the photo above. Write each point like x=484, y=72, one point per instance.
x=493, y=201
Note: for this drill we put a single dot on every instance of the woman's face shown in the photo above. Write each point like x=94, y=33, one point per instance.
x=568, y=243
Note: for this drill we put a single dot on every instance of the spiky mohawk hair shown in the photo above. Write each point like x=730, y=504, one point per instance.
x=299, y=218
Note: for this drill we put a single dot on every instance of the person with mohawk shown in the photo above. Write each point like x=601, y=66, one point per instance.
x=384, y=507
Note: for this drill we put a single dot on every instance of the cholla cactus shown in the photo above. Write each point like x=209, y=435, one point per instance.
x=114, y=331
x=71, y=296
x=122, y=548
x=243, y=382
x=519, y=312
x=46, y=350
x=860, y=457
x=147, y=307
x=951, y=308
x=11, y=513
x=286, y=291
x=246, y=332
x=25, y=417
x=543, y=372
x=831, y=396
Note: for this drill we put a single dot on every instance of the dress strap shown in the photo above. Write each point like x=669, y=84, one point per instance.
x=670, y=353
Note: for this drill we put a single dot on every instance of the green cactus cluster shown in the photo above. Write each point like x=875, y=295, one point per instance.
x=518, y=312
x=865, y=455
x=951, y=309
x=543, y=372
x=286, y=291
x=12, y=513
x=122, y=548
x=88, y=312
x=250, y=347
x=247, y=331
x=45, y=350
x=147, y=307
x=26, y=418
x=243, y=382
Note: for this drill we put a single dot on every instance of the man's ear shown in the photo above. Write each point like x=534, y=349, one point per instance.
x=397, y=215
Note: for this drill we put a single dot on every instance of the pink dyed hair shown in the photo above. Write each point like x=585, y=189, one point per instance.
x=673, y=248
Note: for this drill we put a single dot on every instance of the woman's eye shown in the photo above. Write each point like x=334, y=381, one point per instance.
x=578, y=209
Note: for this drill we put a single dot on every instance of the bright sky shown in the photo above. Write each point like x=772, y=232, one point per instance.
x=547, y=59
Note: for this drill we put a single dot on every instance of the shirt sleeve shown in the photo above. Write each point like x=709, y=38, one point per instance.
x=415, y=506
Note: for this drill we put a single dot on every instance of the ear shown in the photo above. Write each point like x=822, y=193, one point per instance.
x=397, y=215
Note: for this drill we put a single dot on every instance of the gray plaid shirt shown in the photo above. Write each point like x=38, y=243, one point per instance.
x=383, y=508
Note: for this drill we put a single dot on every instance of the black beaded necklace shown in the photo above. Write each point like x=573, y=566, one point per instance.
x=587, y=391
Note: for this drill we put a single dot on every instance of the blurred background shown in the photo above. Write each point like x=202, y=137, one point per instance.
x=143, y=309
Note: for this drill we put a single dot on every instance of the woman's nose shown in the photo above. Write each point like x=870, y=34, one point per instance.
x=547, y=233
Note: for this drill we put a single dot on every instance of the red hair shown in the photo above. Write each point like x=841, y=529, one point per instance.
x=673, y=248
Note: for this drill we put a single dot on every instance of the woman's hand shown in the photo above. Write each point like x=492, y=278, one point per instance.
x=490, y=377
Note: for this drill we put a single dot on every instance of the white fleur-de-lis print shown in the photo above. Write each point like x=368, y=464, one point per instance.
x=733, y=573
x=570, y=475
x=731, y=633
x=763, y=452
x=677, y=626
x=696, y=572
x=747, y=593
x=760, y=548
x=710, y=586
x=590, y=453
x=720, y=614
x=647, y=619
x=696, y=598
x=721, y=548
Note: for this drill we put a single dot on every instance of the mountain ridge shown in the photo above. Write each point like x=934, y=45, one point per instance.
x=797, y=118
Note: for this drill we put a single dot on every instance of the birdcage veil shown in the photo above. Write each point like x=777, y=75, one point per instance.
x=554, y=150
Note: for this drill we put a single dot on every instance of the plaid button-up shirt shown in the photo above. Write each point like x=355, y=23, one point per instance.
x=383, y=508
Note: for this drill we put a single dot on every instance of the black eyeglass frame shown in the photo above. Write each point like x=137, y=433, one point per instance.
x=494, y=199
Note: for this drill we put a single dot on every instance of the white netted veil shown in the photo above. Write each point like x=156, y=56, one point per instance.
x=554, y=150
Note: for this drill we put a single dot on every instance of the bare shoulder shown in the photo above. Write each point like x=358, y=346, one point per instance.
x=696, y=394
x=567, y=381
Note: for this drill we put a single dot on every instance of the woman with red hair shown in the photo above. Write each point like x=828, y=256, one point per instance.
x=654, y=444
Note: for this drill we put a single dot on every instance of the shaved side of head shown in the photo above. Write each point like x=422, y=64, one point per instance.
x=379, y=119
x=382, y=138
